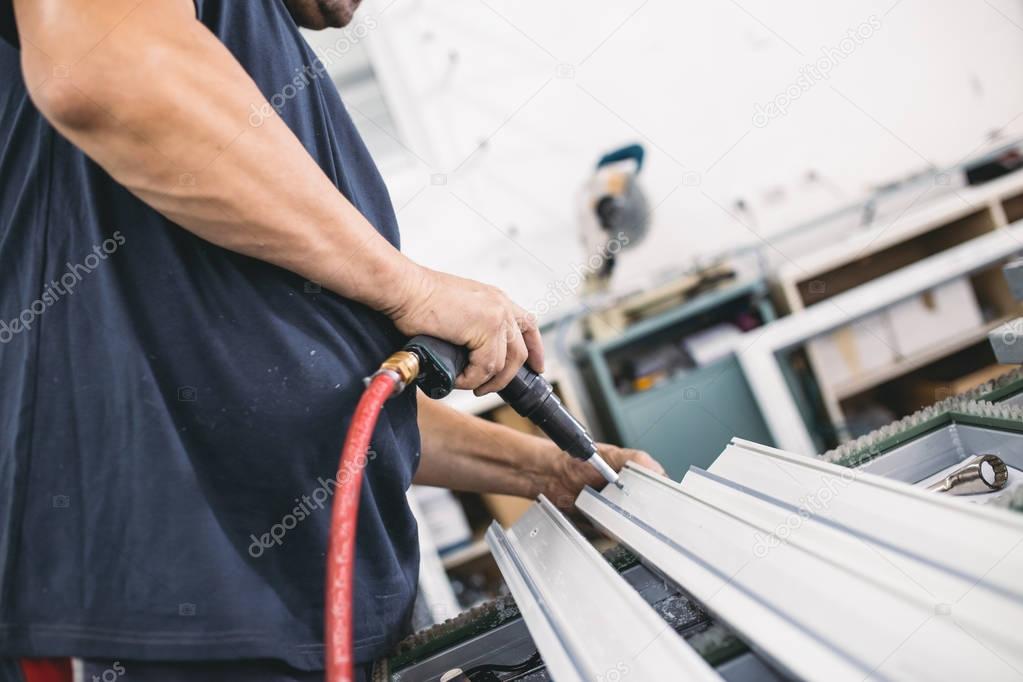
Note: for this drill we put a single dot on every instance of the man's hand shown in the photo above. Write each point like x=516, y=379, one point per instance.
x=571, y=475
x=467, y=453
x=500, y=335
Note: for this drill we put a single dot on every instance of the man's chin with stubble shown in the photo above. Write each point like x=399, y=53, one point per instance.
x=317, y=14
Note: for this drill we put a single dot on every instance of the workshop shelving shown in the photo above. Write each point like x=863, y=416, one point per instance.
x=944, y=377
x=905, y=365
x=878, y=251
x=892, y=243
x=1013, y=207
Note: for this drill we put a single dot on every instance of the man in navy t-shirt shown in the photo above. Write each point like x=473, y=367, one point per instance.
x=189, y=300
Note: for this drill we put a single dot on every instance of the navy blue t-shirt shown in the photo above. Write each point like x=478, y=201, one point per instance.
x=171, y=413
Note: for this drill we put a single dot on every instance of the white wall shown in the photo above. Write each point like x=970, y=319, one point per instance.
x=548, y=87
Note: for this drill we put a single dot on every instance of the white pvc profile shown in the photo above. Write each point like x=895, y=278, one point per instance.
x=587, y=621
x=832, y=574
x=946, y=544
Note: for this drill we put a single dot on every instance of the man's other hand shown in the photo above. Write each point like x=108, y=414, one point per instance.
x=499, y=334
x=571, y=474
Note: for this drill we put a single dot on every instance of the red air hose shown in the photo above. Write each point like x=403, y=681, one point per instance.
x=344, y=516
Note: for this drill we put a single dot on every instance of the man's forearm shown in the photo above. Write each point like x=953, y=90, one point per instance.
x=467, y=453
x=157, y=101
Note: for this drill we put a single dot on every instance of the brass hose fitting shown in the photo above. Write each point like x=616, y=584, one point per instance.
x=404, y=365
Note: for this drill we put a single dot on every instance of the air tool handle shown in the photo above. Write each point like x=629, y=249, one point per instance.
x=527, y=393
x=440, y=363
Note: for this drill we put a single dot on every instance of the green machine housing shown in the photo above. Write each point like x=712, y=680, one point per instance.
x=693, y=412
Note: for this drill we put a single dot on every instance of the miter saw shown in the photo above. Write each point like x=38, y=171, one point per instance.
x=614, y=212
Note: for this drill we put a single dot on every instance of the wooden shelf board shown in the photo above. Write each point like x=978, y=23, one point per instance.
x=905, y=365
x=889, y=232
x=474, y=550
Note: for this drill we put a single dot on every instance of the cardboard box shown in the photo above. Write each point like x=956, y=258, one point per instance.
x=853, y=350
x=928, y=392
x=443, y=516
x=935, y=316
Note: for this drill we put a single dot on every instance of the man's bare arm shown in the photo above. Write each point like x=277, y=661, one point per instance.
x=154, y=98
x=471, y=454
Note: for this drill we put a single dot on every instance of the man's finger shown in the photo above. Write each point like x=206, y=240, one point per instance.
x=644, y=460
x=617, y=457
x=515, y=356
x=648, y=462
x=483, y=364
x=533, y=340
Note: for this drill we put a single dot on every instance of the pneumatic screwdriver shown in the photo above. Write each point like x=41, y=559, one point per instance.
x=528, y=393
